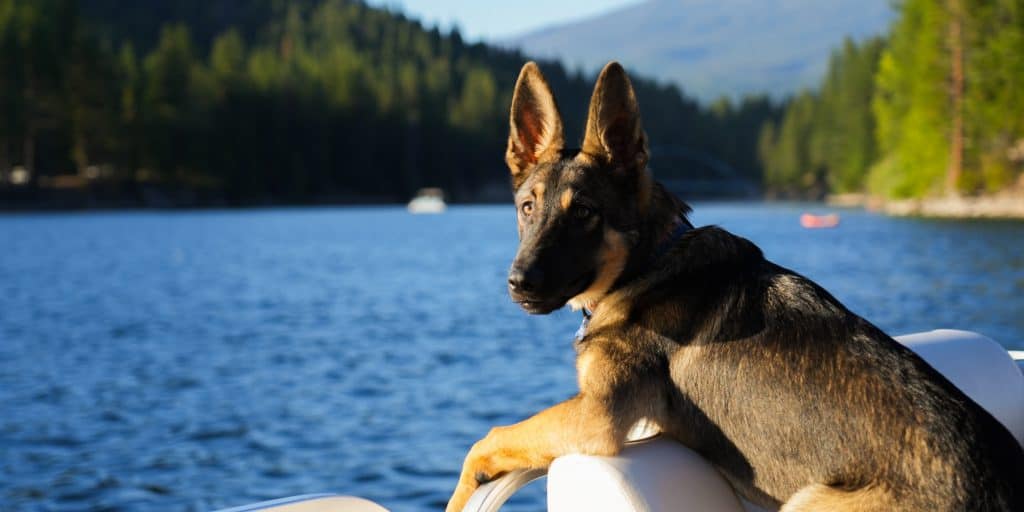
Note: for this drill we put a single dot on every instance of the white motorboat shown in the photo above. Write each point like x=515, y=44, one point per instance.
x=428, y=200
x=653, y=473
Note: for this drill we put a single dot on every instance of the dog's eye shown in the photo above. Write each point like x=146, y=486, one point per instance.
x=527, y=208
x=582, y=212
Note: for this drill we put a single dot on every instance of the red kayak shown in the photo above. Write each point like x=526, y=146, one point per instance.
x=811, y=221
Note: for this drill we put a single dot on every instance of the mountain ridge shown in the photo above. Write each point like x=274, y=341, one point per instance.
x=713, y=48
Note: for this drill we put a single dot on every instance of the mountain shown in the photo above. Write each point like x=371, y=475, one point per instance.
x=715, y=47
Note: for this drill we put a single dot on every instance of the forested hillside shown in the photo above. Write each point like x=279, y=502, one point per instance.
x=225, y=101
x=937, y=109
x=826, y=139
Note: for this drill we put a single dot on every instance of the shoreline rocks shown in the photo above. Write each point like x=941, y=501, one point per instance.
x=1002, y=206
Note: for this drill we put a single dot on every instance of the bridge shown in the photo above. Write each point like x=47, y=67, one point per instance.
x=691, y=173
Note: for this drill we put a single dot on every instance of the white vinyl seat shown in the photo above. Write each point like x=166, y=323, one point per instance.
x=661, y=475
x=980, y=367
x=651, y=475
x=311, y=503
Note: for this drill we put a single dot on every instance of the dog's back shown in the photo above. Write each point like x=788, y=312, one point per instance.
x=796, y=398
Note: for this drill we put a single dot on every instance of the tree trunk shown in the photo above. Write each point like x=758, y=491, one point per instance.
x=410, y=161
x=956, y=51
x=5, y=157
x=28, y=153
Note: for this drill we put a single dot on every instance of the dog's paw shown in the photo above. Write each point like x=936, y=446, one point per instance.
x=459, y=498
x=479, y=468
x=458, y=501
x=468, y=484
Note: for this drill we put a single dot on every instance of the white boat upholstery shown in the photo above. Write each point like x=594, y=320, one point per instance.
x=653, y=475
x=660, y=475
x=980, y=367
x=312, y=503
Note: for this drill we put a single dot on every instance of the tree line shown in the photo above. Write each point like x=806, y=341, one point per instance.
x=266, y=101
x=936, y=107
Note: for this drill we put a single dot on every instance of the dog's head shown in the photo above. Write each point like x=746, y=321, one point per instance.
x=578, y=210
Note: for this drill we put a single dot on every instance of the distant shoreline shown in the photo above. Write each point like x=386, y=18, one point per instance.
x=1000, y=206
x=154, y=198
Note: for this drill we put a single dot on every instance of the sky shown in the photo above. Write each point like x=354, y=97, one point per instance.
x=490, y=20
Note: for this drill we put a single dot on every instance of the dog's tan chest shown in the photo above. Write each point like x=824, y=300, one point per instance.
x=586, y=362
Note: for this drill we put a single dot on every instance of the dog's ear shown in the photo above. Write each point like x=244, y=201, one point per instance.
x=613, y=133
x=535, y=126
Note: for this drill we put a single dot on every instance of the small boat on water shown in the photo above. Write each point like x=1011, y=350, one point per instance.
x=428, y=200
x=656, y=473
x=811, y=221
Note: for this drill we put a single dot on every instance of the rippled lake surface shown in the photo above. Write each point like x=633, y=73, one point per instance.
x=196, y=360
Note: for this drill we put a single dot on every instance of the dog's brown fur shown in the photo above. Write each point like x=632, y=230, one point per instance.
x=799, y=402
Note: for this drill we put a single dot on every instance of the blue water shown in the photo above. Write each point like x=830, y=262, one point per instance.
x=195, y=360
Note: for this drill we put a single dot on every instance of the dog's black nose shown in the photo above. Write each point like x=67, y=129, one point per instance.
x=528, y=280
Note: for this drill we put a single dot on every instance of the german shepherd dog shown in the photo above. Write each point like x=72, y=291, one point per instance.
x=798, y=402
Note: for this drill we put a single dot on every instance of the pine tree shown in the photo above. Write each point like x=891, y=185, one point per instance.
x=912, y=105
x=995, y=96
x=167, y=102
x=955, y=46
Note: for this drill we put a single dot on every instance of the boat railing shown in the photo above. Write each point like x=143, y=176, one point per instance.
x=491, y=496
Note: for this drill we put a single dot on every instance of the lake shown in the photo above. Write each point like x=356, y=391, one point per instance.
x=195, y=360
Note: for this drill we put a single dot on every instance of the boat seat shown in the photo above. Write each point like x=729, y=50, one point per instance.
x=661, y=475
x=980, y=367
x=311, y=503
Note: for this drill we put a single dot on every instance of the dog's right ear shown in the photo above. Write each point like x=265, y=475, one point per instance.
x=535, y=126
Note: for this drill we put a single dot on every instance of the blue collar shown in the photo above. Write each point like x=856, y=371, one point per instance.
x=582, y=331
x=679, y=227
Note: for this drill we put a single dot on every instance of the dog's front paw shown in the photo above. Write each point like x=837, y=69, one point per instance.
x=461, y=495
x=479, y=468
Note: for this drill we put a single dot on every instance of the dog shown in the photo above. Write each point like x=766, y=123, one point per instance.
x=799, y=403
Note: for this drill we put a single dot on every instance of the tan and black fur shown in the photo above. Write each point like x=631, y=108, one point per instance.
x=799, y=402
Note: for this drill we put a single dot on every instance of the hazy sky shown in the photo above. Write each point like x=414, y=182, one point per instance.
x=486, y=19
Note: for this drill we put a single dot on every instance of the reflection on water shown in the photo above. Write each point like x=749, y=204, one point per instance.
x=196, y=360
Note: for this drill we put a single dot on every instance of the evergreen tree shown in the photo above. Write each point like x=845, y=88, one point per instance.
x=912, y=105
x=994, y=100
x=943, y=93
x=826, y=139
x=312, y=100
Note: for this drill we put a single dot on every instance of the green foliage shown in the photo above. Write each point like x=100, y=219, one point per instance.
x=912, y=105
x=826, y=138
x=846, y=142
x=227, y=57
x=882, y=120
x=994, y=102
x=309, y=100
x=791, y=165
x=476, y=104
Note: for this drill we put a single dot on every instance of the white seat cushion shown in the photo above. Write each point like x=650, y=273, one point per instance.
x=980, y=367
x=311, y=503
x=653, y=475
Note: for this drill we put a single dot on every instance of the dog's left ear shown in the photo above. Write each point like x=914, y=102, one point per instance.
x=614, y=134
